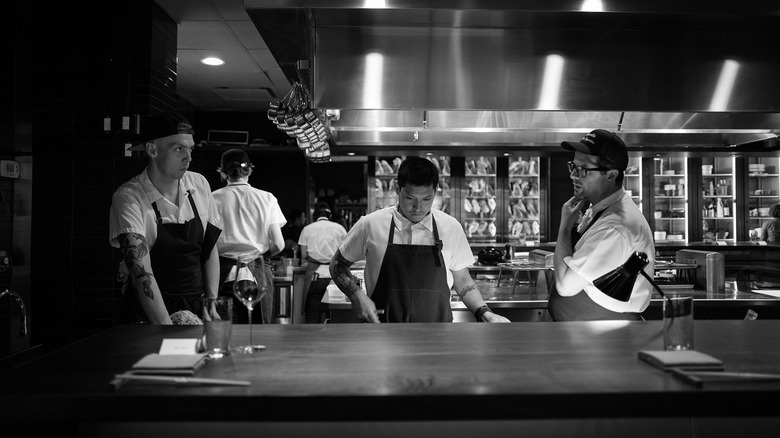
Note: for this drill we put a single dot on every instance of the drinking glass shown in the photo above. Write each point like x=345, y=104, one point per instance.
x=248, y=290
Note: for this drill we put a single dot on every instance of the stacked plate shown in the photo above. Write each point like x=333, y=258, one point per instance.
x=756, y=168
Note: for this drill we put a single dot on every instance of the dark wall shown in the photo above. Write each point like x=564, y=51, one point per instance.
x=92, y=63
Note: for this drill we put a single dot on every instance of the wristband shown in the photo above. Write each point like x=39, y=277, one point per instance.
x=479, y=313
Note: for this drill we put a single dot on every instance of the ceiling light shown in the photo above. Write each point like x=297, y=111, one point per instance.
x=212, y=61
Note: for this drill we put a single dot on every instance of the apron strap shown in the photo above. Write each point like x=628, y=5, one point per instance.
x=157, y=212
x=576, y=235
x=436, y=248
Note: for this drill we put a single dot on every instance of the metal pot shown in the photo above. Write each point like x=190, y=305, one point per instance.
x=489, y=256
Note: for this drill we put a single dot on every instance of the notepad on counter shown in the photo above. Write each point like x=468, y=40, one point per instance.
x=772, y=292
x=688, y=359
x=169, y=364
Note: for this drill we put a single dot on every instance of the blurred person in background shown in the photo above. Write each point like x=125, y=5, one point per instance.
x=292, y=231
x=252, y=222
x=772, y=226
x=318, y=242
x=166, y=224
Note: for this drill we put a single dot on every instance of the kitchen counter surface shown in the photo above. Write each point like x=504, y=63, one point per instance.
x=401, y=373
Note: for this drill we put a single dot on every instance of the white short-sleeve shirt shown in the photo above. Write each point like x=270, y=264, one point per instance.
x=247, y=213
x=132, y=212
x=367, y=239
x=608, y=243
x=322, y=239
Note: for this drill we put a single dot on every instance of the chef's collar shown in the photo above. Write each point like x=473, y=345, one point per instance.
x=154, y=195
x=403, y=224
x=609, y=200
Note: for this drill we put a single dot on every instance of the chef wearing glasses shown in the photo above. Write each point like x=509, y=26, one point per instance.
x=592, y=244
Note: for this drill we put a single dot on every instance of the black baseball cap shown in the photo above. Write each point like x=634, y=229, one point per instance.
x=604, y=144
x=235, y=157
x=159, y=126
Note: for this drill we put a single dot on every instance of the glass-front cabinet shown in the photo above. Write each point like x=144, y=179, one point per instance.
x=382, y=183
x=763, y=188
x=670, y=199
x=480, y=203
x=632, y=180
x=718, y=202
x=381, y=191
x=523, y=201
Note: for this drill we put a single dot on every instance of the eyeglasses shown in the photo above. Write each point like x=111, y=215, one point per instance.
x=582, y=172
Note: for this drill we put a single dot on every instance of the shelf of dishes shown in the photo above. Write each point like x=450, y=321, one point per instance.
x=670, y=199
x=763, y=189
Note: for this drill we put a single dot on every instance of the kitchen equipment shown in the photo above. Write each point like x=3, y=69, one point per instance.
x=490, y=256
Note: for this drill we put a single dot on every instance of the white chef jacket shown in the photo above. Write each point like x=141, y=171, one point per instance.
x=132, y=212
x=367, y=239
x=322, y=239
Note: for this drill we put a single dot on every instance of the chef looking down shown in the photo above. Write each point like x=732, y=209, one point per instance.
x=609, y=232
x=166, y=225
x=414, y=256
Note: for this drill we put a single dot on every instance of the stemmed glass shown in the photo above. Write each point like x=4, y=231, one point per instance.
x=247, y=289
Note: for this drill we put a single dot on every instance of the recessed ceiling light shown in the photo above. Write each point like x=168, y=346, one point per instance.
x=212, y=61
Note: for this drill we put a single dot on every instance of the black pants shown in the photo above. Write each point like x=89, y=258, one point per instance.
x=316, y=312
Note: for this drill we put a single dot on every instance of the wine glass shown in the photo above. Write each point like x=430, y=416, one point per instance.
x=247, y=289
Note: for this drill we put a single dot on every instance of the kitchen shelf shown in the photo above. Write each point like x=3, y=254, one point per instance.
x=718, y=201
x=670, y=199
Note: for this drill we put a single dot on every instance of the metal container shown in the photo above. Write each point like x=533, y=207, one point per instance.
x=710, y=268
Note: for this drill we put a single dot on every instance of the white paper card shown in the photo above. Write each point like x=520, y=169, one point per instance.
x=179, y=346
x=772, y=292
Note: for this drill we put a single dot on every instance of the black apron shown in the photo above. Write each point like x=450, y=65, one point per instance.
x=412, y=283
x=264, y=275
x=177, y=263
x=581, y=307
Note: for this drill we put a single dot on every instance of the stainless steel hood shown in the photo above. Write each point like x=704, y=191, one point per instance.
x=505, y=75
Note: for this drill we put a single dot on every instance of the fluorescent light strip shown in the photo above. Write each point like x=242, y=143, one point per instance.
x=722, y=95
x=592, y=6
x=551, y=83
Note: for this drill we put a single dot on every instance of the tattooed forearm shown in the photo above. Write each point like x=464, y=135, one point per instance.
x=134, y=249
x=462, y=293
x=339, y=271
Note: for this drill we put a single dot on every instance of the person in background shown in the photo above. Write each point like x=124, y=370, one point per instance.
x=319, y=242
x=292, y=231
x=252, y=221
x=772, y=226
x=602, y=239
x=166, y=224
x=414, y=256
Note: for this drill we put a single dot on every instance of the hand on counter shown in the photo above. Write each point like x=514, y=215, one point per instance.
x=494, y=317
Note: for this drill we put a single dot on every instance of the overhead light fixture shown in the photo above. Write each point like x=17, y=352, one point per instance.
x=551, y=82
x=211, y=60
x=592, y=6
x=726, y=80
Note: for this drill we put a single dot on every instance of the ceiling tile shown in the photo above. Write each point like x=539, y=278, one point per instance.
x=247, y=34
x=205, y=35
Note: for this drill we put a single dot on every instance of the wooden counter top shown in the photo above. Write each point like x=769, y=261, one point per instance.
x=401, y=372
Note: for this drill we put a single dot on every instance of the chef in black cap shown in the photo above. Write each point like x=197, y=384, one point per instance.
x=592, y=244
x=166, y=225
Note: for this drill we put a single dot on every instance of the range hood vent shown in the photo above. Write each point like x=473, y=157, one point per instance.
x=689, y=76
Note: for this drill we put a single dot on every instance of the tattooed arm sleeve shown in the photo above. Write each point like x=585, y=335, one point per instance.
x=136, y=256
x=341, y=275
